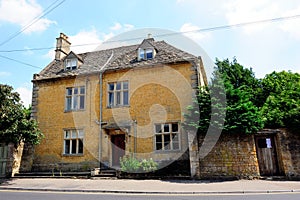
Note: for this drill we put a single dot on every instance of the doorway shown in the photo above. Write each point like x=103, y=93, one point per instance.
x=267, y=155
x=118, y=148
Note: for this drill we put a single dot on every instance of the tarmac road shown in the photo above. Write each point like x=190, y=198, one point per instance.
x=35, y=195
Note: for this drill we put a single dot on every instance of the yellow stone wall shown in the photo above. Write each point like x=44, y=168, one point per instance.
x=53, y=119
x=158, y=94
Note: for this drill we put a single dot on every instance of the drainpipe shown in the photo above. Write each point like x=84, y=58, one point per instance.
x=100, y=110
x=134, y=137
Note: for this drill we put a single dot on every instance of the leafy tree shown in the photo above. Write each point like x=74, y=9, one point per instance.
x=15, y=122
x=239, y=86
x=281, y=107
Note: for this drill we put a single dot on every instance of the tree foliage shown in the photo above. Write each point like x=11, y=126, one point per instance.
x=230, y=91
x=251, y=103
x=281, y=107
x=15, y=122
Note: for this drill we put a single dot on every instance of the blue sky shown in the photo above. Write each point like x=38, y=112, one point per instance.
x=266, y=47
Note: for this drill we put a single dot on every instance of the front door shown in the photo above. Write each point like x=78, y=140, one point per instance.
x=118, y=148
x=3, y=159
x=267, y=155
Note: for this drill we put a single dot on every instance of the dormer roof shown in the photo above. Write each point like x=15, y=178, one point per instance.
x=73, y=55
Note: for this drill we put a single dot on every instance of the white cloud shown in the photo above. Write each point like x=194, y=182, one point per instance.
x=180, y=1
x=23, y=12
x=120, y=27
x=4, y=74
x=128, y=27
x=292, y=26
x=190, y=31
x=91, y=40
x=25, y=94
x=85, y=41
x=240, y=11
x=116, y=27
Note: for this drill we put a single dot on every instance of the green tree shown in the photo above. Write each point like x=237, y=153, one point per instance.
x=240, y=87
x=15, y=122
x=281, y=108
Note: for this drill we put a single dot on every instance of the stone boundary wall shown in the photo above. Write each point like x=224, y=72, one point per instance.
x=233, y=156
x=289, y=152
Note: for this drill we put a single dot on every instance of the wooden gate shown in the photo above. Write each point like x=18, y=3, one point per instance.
x=267, y=155
x=4, y=159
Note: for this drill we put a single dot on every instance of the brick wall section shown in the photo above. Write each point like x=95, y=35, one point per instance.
x=233, y=156
x=289, y=152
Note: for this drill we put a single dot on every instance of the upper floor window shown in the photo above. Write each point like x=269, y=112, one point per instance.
x=118, y=94
x=145, y=54
x=73, y=142
x=75, y=98
x=70, y=64
x=167, y=137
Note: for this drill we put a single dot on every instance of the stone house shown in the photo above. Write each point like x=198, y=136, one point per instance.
x=96, y=107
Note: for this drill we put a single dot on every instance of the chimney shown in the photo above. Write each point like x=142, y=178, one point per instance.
x=62, y=47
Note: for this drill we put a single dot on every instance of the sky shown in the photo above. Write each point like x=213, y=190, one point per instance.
x=29, y=28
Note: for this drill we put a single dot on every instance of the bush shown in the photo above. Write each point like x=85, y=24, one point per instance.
x=149, y=165
x=133, y=165
x=129, y=164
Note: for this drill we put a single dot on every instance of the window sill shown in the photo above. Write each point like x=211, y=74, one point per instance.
x=79, y=110
x=118, y=106
x=167, y=151
x=73, y=155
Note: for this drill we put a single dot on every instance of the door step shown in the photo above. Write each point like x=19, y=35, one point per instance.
x=104, y=173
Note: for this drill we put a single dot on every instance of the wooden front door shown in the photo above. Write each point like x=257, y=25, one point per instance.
x=118, y=148
x=3, y=159
x=267, y=155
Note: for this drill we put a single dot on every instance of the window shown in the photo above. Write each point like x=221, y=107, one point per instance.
x=75, y=98
x=70, y=64
x=167, y=137
x=73, y=142
x=118, y=94
x=145, y=54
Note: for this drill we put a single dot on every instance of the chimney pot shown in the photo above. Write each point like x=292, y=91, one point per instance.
x=62, y=46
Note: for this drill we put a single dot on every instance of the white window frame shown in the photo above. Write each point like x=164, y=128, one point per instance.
x=117, y=94
x=74, y=98
x=71, y=63
x=174, y=143
x=73, y=137
x=142, y=54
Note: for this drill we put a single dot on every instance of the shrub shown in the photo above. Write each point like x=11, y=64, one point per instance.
x=129, y=164
x=148, y=165
x=133, y=165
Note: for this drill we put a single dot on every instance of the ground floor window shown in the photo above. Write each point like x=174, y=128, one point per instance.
x=167, y=137
x=73, y=142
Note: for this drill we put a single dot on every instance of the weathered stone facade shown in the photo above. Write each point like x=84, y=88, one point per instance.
x=289, y=152
x=159, y=91
x=10, y=159
x=233, y=156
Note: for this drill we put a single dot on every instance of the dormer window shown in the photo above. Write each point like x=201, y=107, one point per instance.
x=149, y=54
x=70, y=64
x=145, y=54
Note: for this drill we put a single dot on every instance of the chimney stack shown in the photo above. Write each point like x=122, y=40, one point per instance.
x=62, y=47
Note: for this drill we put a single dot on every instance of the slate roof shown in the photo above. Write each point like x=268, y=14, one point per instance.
x=119, y=58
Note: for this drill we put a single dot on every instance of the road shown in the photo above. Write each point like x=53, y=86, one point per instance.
x=33, y=195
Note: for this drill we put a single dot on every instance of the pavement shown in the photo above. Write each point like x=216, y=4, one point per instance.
x=150, y=186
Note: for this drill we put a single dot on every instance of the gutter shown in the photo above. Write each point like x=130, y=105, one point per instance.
x=102, y=70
